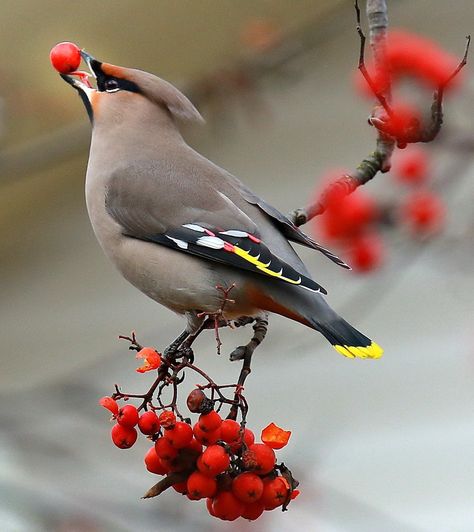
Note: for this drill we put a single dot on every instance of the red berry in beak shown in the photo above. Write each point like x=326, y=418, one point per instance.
x=65, y=57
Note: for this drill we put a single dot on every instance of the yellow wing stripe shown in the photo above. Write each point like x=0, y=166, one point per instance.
x=371, y=351
x=262, y=266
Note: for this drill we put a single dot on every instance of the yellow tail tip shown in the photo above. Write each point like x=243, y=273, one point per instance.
x=371, y=351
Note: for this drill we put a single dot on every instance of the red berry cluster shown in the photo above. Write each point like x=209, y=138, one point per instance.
x=215, y=459
x=349, y=222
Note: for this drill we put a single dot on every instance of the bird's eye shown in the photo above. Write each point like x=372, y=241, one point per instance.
x=112, y=85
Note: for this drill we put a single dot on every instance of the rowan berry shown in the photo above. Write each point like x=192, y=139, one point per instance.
x=181, y=487
x=253, y=510
x=226, y=506
x=65, y=57
x=123, y=437
x=210, y=422
x=167, y=419
x=206, y=438
x=411, y=166
x=230, y=430
x=200, y=486
x=180, y=435
x=198, y=402
x=154, y=464
x=165, y=450
x=366, y=252
x=194, y=447
x=275, y=493
x=423, y=212
x=247, y=487
x=248, y=440
x=210, y=509
x=127, y=416
x=259, y=458
x=148, y=423
x=214, y=460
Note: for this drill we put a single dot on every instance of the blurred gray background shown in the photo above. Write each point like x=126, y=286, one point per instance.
x=377, y=445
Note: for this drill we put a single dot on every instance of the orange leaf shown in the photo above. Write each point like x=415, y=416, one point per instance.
x=110, y=404
x=151, y=359
x=275, y=437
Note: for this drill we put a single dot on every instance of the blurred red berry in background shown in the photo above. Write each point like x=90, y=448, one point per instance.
x=366, y=252
x=347, y=215
x=403, y=123
x=424, y=212
x=411, y=166
x=410, y=55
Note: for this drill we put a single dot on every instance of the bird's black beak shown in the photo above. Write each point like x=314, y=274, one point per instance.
x=80, y=79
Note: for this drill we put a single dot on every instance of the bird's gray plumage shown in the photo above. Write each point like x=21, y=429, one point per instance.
x=144, y=184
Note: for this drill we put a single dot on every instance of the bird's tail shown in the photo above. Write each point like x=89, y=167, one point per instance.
x=312, y=310
x=347, y=340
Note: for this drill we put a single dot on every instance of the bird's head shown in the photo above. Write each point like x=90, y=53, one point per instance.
x=118, y=88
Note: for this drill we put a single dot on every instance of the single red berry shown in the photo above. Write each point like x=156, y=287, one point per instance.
x=230, y=430
x=209, y=507
x=253, y=510
x=123, y=437
x=366, y=252
x=154, y=464
x=248, y=440
x=423, y=212
x=226, y=506
x=247, y=487
x=201, y=486
x=411, y=166
x=110, y=404
x=65, y=57
x=194, y=447
x=181, y=487
x=214, y=460
x=347, y=215
x=165, y=450
x=275, y=493
x=167, y=419
x=210, y=422
x=127, y=416
x=149, y=423
x=259, y=458
x=180, y=435
x=206, y=438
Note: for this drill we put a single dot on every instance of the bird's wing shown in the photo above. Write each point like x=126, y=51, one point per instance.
x=204, y=223
x=286, y=226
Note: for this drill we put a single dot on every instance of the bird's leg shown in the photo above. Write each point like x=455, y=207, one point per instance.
x=174, y=346
x=217, y=317
x=260, y=330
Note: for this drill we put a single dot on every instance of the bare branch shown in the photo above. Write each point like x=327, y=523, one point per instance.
x=379, y=160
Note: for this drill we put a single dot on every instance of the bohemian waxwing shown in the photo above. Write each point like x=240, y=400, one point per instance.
x=176, y=225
